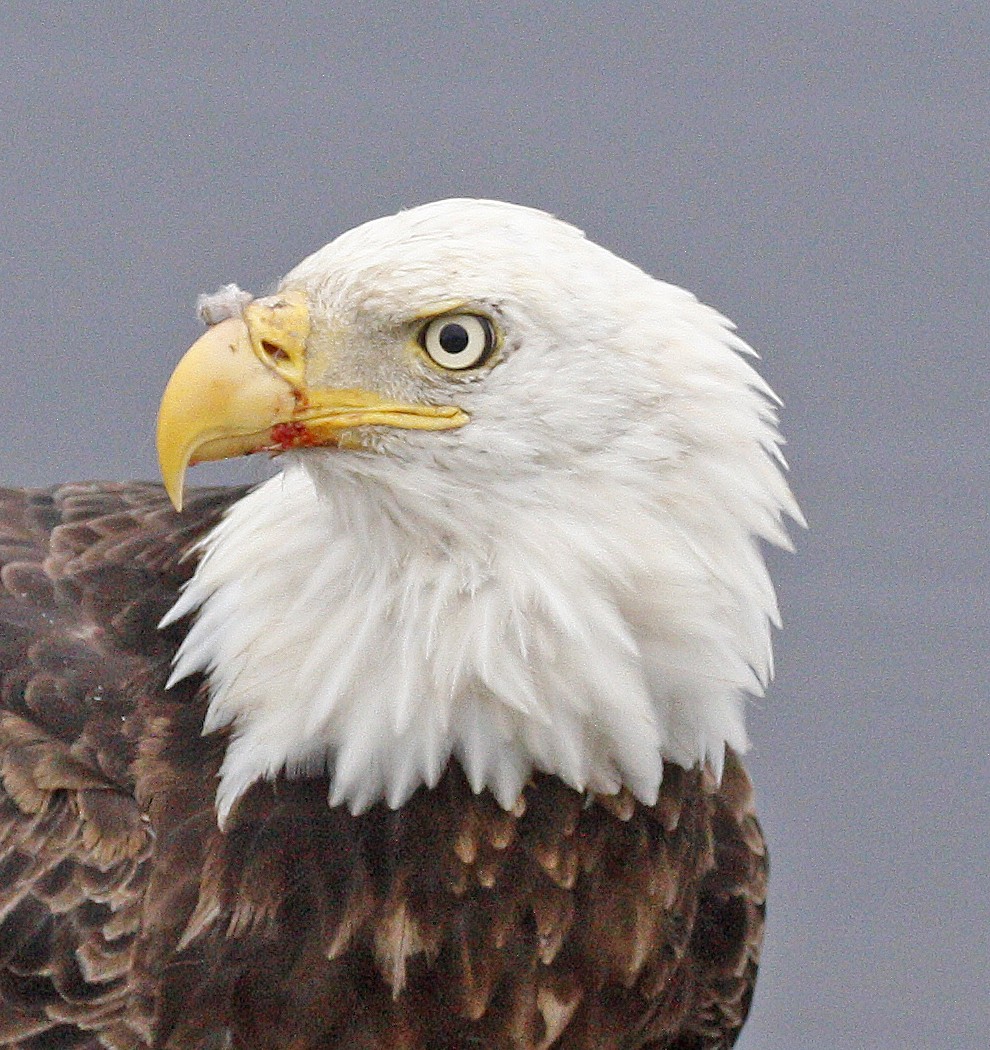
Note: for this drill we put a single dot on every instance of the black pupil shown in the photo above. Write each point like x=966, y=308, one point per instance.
x=454, y=338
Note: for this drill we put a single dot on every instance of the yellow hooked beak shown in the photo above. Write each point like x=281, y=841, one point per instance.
x=241, y=388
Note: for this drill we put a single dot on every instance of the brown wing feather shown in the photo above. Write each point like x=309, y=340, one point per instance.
x=85, y=573
x=129, y=919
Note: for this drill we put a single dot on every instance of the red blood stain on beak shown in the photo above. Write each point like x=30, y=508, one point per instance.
x=292, y=435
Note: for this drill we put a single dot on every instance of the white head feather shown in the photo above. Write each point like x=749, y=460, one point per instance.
x=572, y=582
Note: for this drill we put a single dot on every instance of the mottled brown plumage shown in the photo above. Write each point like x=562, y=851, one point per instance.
x=128, y=919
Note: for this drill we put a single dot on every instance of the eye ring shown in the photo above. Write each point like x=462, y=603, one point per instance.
x=458, y=341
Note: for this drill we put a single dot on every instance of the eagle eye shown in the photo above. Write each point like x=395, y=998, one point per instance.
x=458, y=341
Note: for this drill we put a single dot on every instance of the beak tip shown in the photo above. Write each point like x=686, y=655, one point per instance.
x=173, y=489
x=172, y=469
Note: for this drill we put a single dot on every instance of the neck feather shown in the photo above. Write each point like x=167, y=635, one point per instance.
x=350, y=628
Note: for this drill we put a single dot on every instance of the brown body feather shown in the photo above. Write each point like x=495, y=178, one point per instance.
x=128, y=919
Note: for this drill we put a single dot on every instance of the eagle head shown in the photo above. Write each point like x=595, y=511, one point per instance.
x=518, y=524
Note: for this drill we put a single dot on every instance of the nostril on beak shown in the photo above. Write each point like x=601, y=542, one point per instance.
x=274, y=351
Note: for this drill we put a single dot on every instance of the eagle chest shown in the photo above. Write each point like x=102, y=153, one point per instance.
x=449, y=922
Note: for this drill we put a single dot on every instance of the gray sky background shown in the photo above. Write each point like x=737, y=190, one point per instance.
x=818, y=172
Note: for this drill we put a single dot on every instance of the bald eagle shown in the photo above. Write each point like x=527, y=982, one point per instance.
x=432, y=740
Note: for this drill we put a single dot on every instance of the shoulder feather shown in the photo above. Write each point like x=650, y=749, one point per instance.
x=86, y=571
